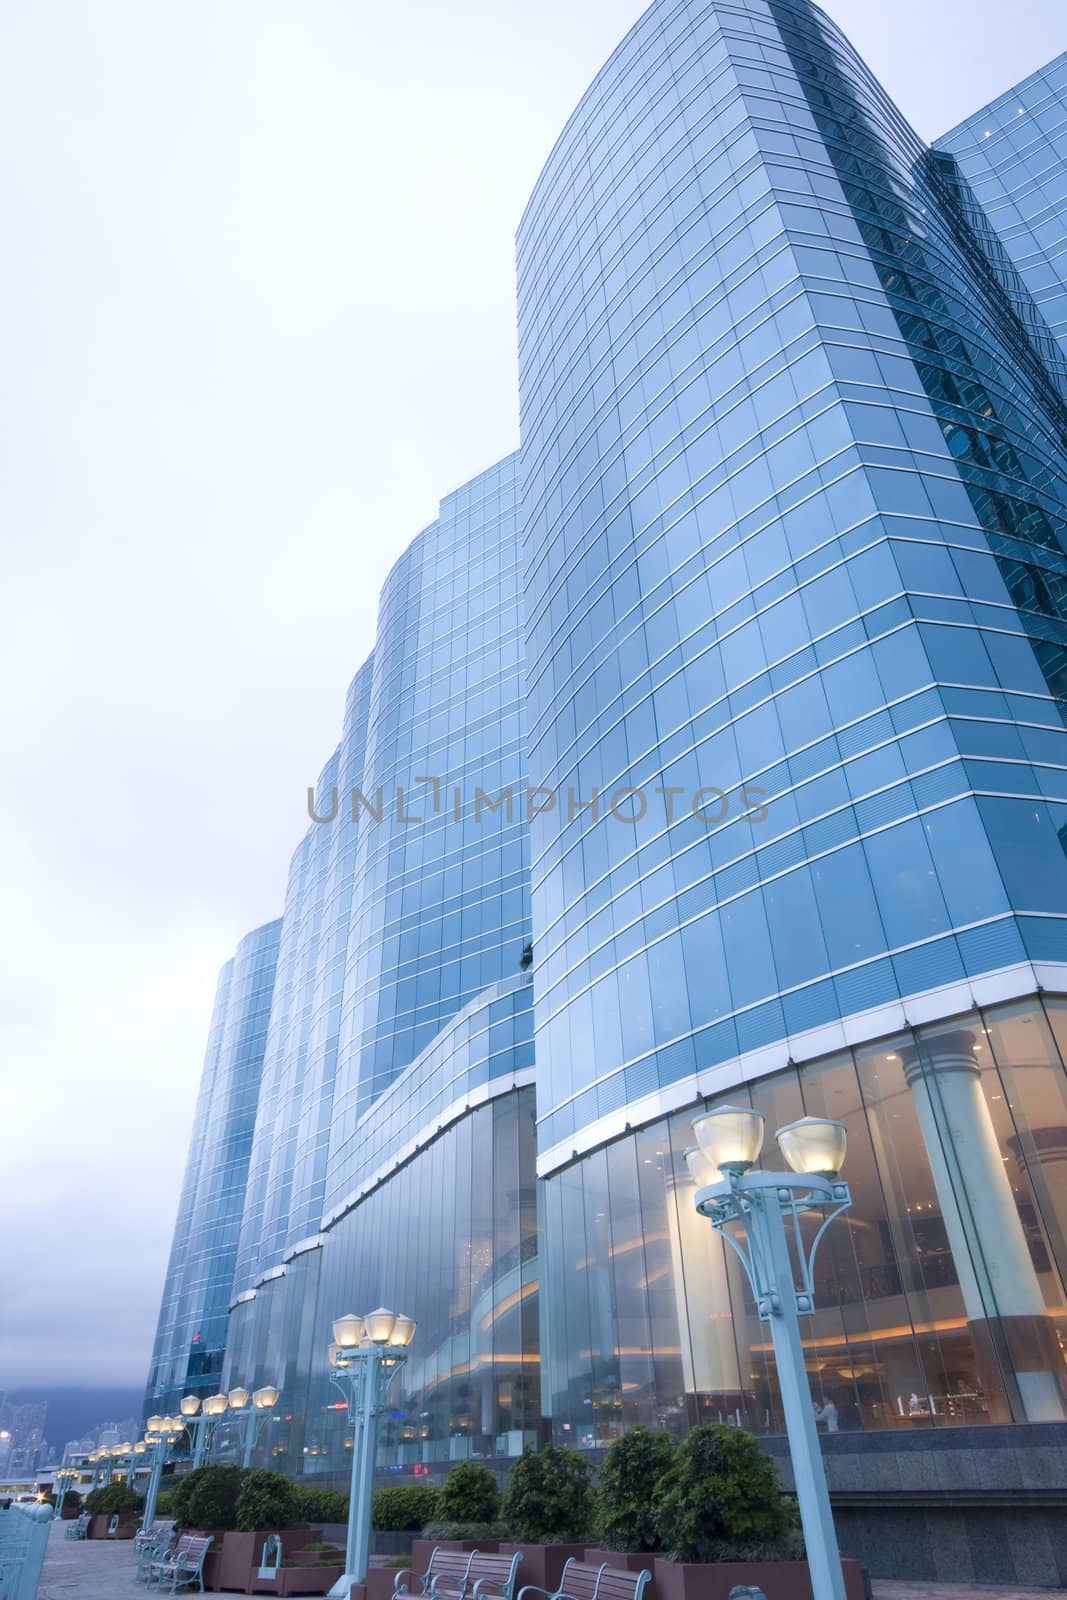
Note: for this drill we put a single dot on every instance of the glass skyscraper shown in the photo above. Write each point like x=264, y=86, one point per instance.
x=1013, y=155
x=712, y=748
x=191, y=1336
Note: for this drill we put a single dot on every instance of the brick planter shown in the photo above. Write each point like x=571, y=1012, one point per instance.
x=779, y=1580
x=237, y=1557
x=628, y=1561
x=315, y=1578
x=99, y=1524
x=542, y=1564
x=379, y=1584
x=423, y=1549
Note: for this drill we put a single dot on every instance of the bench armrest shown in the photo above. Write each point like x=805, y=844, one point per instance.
x=495, y=1588
x=412, y=1576
x=532, y=1588
x=454, y=1583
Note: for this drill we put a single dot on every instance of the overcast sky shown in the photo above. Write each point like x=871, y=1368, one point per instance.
x=256, y=294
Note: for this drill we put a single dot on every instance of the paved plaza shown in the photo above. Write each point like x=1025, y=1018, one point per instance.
x=99, y=1569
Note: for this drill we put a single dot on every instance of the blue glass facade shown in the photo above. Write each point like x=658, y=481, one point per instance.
x=794, y=486
x=191, y=1336
x=1013, y=155
x=712, y=748
x=402, y=1026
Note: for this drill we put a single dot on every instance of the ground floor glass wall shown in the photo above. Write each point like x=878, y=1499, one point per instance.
x=449, y=1239
x=940, y=1295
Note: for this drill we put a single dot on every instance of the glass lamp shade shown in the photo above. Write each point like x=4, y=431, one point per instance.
x=238, y=1399
x=700, y=1168
x=265, y=1398
x=814, y=1147
x=380, y=1325
x=403, y=1332
x=189, y=1405
x=332, y=1352
x=154, y=1425
x=348, y=1331
x=139, y=1448
x=731, y=1137
x=215, y=1405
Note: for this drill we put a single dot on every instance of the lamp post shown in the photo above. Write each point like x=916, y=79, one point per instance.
x=730, y=1140
x=365, y=1357
x=136, y=1451
x=63, y=1480
x=263, y=1402
x=160, y=1434
x=212, y=1409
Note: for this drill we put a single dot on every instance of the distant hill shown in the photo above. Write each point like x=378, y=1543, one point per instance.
x=74, y=1412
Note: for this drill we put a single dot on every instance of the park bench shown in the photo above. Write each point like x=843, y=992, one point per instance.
x=78, y=1529
x=151, y=1545
x=582, y=1581
x=181, y=1567
x=488, y=1578
x=161, y=1531
x=444, y=1566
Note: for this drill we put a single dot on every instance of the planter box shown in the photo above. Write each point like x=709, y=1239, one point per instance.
x=779, y=1580
x=628, y=1561
x=379, y=1584
x=423, y=1549
x=99, y=1524
x=237, y=1564
x=313, y=1579
x=542, y=1564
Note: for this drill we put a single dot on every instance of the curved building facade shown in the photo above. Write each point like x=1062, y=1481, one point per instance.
x=795, y=504
x=191, y=1336
x=402, y=1028
x=1013, y=154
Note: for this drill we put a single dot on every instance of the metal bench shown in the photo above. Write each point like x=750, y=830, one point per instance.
x=161, y=1529
x=181, y=1567
x=581, y=1581
x=491, y=1577
x=152, y=1545
x=78, y=1529
x=444, y=1566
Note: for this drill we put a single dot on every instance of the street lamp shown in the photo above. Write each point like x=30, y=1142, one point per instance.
x=64, y=1477
x=161, y=1434
x=365, y=1357
x=729, y=1143
x=263, y=1402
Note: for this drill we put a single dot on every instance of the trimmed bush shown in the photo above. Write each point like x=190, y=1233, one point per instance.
x=320, y=1505
x=408, y=1507
x=549, y=1496
x=114, y=1500
x=469, y=1494
x=165, y=1503
x=207, y=1498
x=633, y=1466
x=722, y=1500
x=465, y=1530
x=266, y=1503
x=72, y=1501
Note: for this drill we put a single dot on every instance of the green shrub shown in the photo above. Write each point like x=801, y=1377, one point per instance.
x=165, y=1503
x=464, y=1530
x=266, y=1503
x=633, y=1466
x=72, y=1501
x=207, y=1498
x=549, y=1497
x=112, y=1500
x=469, y=1494
x=407, y=1507
x=722, y=1500
x=320, y=1505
